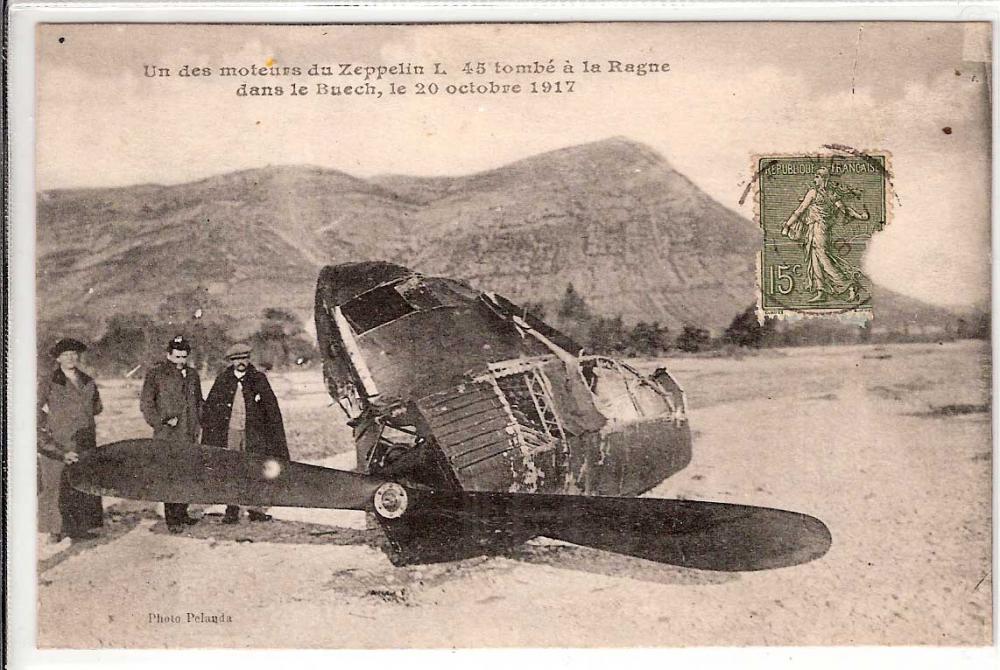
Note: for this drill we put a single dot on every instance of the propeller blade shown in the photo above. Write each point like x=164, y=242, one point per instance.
x=690, y=533
x=443, y=525
x=696, y=534
x=188, y=473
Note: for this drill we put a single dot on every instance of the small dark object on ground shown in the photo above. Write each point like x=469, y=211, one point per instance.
x=956, y=410
x=960, y=409
x=390, y=595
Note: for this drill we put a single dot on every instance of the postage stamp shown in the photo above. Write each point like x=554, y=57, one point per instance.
x=818, y=214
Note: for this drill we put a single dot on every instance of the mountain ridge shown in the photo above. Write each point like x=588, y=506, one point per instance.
x=635, y=238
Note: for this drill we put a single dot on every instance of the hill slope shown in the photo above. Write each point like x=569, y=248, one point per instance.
x=633, y=235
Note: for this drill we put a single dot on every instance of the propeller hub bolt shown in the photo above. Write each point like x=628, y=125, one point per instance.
x=390, y=500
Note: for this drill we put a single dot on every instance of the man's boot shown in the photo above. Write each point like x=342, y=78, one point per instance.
x=232, y=514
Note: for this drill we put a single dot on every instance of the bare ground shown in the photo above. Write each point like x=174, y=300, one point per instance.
x=889, y=446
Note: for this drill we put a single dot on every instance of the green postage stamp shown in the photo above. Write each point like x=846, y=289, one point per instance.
x=818, y=213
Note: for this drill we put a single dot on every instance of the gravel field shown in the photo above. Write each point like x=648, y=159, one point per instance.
x=889, y=445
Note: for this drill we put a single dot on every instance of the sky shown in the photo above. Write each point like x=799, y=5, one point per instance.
x=733, y=90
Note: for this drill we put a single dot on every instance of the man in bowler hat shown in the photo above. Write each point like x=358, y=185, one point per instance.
x=241, y=413
x=171, y=403
x=67, y=403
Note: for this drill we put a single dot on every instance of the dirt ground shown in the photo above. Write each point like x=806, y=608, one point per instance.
x=889, y=445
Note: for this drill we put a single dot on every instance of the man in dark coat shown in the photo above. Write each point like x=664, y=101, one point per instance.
x=241, y=413
x=67, y=403
x=171, y=404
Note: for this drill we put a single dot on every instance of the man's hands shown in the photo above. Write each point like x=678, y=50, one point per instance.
x=172, y=421
x=70, y=457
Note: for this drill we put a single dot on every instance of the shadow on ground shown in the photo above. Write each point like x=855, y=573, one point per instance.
x=210, y=527
x=404, y=584
x=598, y=562
x=961, y=409
x=400, y=583
x=116, y=524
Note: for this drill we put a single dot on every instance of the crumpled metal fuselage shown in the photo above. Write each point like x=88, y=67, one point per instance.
x=451, y=388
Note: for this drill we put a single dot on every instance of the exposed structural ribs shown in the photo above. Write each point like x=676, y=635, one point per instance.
x=501, y=429
x=522, y=387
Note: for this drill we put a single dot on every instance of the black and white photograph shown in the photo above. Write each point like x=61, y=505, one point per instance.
x=507, y=335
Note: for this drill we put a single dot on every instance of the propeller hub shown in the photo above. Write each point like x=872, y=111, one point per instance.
x=390, y=500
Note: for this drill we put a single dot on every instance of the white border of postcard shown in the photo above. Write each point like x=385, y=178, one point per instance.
x=21, y=584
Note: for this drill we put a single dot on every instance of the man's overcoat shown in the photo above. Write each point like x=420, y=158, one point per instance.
x=166, y=393
x=265, y=430
x=66, y=423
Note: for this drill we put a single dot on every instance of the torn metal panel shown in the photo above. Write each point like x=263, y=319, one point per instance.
x=341, y=283
x=406, y=325
x=357, y=360
x=674, y=390
x=509, y=311
x=573, y=399
x=434, y=350
x=459, y=389
x=629, y=460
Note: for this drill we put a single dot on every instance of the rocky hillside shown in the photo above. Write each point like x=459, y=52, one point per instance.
x=632, y=234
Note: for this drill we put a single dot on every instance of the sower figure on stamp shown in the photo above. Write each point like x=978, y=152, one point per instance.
x=171, y=404
x=68, y=401
x=812, y=224
x=241, y=413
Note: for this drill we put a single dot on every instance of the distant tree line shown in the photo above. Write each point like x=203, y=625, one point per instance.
x=610, y=335
x=128, y=342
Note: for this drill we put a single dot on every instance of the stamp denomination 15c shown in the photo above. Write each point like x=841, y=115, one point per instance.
x=818, y=213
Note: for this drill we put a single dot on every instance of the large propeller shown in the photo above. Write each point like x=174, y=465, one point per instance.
x=188, y=473
x=426, y=525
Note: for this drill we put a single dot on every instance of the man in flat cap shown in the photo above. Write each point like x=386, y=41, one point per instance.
x=67, y=403
x=171, y=404
x=241, y=413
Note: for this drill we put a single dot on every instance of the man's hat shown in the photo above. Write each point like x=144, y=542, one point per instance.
x=238, y=350
x=178, y=344
x=67, y=344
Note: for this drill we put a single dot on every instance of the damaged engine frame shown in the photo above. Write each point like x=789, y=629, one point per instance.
x=456, y=389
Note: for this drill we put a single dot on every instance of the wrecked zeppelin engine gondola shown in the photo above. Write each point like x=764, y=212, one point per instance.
x=459, y=389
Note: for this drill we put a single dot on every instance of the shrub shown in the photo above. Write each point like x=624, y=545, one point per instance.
x=693, y=339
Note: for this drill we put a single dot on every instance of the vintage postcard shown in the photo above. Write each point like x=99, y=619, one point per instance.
x=494, y=335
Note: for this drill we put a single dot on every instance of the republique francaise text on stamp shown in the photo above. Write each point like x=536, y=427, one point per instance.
x=818, y=213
